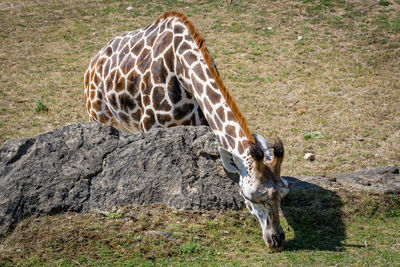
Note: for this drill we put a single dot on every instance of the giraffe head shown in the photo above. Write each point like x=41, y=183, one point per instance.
x=261, y=185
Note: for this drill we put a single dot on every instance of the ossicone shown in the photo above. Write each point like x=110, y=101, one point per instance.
x=256, y=152
x=279, y=151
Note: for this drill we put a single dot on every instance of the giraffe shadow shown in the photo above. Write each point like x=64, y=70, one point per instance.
x=314, y=216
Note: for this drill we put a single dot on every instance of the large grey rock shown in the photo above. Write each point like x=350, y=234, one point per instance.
x=88, y=166
x=91, y=166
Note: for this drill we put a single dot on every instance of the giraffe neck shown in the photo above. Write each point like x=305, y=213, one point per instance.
x=194, y=71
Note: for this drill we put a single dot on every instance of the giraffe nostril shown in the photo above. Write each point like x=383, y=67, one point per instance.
x=275, y=241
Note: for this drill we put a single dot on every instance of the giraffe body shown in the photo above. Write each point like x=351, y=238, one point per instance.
x=163, y=76
x=135, y=82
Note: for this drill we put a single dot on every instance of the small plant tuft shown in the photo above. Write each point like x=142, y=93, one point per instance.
x=41, y=107
x=384, y=3
x=115, y=215
x=315, y=135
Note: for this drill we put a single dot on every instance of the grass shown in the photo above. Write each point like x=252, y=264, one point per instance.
x=41, y=107
x=322, y=228
x=340, y=79
x=334, y=92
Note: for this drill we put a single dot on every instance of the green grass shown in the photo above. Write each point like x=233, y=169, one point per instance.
x=315, y=135
x=41, y=107
x=322, y=228
x=335, y=92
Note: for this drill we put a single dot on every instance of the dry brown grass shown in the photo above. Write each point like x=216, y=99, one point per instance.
x=341, y=80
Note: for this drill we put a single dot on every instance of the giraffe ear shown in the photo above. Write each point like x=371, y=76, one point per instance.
x=231, y=162
x=263, y=144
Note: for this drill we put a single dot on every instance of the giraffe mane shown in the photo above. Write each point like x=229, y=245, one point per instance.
x=225, y=92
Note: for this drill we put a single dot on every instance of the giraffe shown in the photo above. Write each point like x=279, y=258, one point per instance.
x=163, y=76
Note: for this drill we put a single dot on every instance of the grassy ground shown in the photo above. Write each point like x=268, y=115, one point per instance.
x=324, y=75
x=322, y=228
x=335, y=92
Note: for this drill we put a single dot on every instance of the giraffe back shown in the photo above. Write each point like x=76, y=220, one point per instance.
x=133, y=83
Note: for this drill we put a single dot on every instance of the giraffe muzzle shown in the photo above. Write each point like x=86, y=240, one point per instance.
x=275, y=242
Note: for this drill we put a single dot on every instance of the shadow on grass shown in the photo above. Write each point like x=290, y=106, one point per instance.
x=315, y=215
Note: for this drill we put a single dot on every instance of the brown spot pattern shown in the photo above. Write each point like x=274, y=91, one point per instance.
x=181, y=111
x=218, y=122
x=230, y=115
x=123, y=44
x=120, y=82
x=99, y=94
x=221, y=113
x=108, y=51
x=189, y=57
x=231, y=141
x=94, y=60
x=213, y=96
x=162, y=43
x=114, y=61
x=97, y=105
x=123, y=117
x=224, y=142
x=136, y=38
x=94, y=116
x=126, y=103
x=86, y=79
x=174, y=90
x=116, y=44
x=123, y=53
x=183, y=48
x=113, y=100
x=179, y=68
x=150, y=29
x=96, y=80
x=188, y=94
x=127, y=64
x=163, y=118
x=207, y=105
x=188, y=38
x=199, y=72
x=162, y=27
x=151, y=38
x=212, y=124
x=240, y=148
x=209, y=74
x=133, y=82
x=136, y=115
x=146, y=100
x=138, y=47
x=230, y=130
x=177, y=42
x=149, y=121
x=169, y=59
x=103, y=118
x=203, y=120
x=158, y=71
x=107, y=67
x=88, y=105
x=159, y=101
x=144, y=60
x=241, y=133
x=198, y=87
x=179, y=29
x=147, y=84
